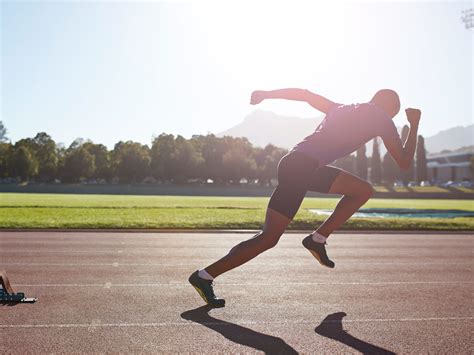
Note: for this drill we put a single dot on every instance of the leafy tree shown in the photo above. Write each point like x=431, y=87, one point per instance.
x=162, y=153
x=186, y=159
x=346, y=163
x=220, y=153
x=3, y=133
x=238, y=161
x=390, y=169
x=61, y=153
x=44, y=150
x=237, y=165
x=46, y=154
x=76, y=143
x=375, y=164
x=421, y=166
x=79, y=164
x=212, y=150
x=361, y=163
x=103, y=169
x=23, y=163
x=174, y=158
x=26, y=142
x=267, y=160
x=5, y=152
x=132, y=161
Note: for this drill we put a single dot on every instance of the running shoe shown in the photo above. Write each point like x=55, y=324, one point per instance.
x=205, y=290
x=318, y=250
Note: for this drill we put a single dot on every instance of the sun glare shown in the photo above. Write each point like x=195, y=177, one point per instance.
x=266, y=40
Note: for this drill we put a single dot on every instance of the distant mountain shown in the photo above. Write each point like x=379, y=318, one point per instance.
x=468, y=149
x=450, y=139
x=264, y=127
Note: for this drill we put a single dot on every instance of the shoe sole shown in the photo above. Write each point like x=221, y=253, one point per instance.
x=199, y=291
x=201, y=294
x=316, y=256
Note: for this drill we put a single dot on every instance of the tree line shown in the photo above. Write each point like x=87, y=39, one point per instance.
x=175, y=159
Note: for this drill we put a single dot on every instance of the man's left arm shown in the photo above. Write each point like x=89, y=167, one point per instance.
x=403, y=155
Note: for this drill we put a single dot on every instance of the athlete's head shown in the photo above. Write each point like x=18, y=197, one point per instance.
x=387, y=100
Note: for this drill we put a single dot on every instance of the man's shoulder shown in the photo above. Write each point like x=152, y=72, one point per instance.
x=366, y=111
x=356, y=108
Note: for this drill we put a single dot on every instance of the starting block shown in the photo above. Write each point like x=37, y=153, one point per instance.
x=15, y=297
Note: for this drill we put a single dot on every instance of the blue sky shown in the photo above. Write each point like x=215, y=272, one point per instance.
x=111, y=71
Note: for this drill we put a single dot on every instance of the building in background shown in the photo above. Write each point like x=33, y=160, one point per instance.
x=452, y=166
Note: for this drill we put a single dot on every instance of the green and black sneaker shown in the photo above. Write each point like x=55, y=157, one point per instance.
x=205, y=290
x=318, y=250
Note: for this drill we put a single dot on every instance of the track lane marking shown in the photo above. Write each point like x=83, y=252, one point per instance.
x=178, y=284
x=309, y=262
x=191, y=323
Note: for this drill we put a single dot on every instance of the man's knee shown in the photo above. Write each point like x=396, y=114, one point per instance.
x=270, y=243
x=367, y=191
x=269, y=239
x=363, y=191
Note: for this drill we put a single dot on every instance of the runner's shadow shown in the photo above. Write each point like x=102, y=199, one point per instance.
x=331, y=327
x=8, y=304
x=238, y=334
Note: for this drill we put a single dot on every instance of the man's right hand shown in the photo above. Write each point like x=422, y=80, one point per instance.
x=413, y=115
x=257, y=97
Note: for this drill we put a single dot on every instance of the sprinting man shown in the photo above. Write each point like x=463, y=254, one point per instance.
x=343, y=130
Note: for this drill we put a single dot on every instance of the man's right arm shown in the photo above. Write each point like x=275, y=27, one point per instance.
x=403, y=155
x=317, y=101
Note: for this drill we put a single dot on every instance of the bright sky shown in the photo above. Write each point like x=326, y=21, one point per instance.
x=111, y=71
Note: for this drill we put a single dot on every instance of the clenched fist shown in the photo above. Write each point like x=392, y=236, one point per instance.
x=257, y=97
x=413, y=115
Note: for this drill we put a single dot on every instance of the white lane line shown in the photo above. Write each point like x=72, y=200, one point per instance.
x=412, y=250
x=190, y=323
x=309, y=262
x=56, y=250
x=92, y=251
x=451, y=240
x=108, y=285
x=178, y=284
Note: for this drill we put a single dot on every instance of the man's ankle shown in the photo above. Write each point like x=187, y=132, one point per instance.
x=203, y=274
x=318, y=238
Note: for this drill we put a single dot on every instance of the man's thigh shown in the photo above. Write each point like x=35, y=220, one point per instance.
x=330, y=179
x=286, y=199
x=322, y=179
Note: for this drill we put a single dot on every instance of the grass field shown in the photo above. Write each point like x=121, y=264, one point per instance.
x=189, y=212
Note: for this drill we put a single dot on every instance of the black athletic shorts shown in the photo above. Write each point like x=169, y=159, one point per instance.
x=297, y=174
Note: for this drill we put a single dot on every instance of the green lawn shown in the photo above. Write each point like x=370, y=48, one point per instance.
x=125, y=211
